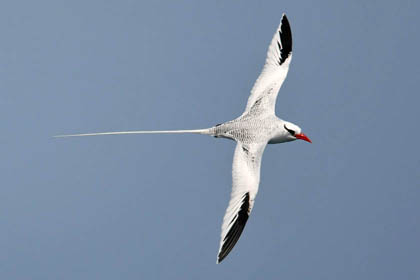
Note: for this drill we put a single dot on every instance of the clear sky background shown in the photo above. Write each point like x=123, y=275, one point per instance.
x=151, y=206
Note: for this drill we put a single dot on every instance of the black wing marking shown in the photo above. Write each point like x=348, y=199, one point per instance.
x=235, y=231
x=285, y=44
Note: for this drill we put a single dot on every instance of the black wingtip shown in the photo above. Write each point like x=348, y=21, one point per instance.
x=235, y=231
x=285, y=44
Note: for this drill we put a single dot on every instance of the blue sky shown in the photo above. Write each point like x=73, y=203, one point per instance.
x=151, y=206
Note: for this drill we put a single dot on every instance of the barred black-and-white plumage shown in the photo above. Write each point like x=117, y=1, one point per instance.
x=253, y=130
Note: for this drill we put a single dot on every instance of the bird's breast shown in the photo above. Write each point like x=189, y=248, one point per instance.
x=246, y=130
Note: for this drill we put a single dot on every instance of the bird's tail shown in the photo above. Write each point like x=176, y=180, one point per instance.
x=206, y=131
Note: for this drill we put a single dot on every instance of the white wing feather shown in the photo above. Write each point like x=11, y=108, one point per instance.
x=245, y=181
x=275, y=69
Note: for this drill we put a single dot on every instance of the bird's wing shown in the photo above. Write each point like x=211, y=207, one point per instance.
x=275, y=69
x=245, y=180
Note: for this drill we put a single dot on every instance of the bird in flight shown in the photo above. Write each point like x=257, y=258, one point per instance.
x=252, y=131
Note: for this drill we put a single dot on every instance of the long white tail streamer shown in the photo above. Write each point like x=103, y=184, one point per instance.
x=196, y=131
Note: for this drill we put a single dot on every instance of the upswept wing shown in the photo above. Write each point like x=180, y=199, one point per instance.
x=275, y=69
x=245, y=181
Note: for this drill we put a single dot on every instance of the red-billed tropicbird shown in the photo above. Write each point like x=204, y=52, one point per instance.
x=253, y=130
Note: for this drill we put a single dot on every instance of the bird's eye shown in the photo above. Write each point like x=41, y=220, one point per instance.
x=289, y=130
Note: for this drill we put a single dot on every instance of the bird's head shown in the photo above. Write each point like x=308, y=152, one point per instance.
x=294, y=132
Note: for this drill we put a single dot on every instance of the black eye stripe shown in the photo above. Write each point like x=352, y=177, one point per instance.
x=289, y=130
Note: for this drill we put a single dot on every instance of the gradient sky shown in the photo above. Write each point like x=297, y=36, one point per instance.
x=151, y=206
